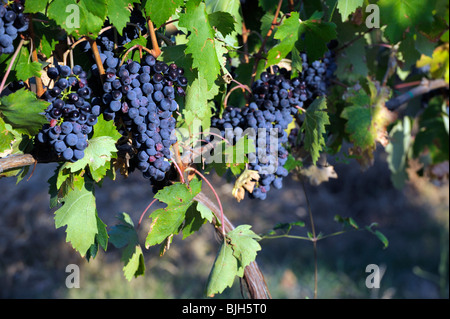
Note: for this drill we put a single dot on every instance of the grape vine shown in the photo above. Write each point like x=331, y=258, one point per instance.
x=119, y=86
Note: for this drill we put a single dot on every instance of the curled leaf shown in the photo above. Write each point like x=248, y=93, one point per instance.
x=246, y=181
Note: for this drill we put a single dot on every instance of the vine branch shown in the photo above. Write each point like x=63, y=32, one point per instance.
x=425, y=87
x=253, y=278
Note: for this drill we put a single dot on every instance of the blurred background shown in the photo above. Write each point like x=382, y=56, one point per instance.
x=34, y=255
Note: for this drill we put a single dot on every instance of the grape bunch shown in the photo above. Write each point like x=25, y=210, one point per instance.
x=141, y=96
x=318, y=74
x=71, y=115
x=276, y=98
x=12, y=22
x=265, y=129
x=274, y=92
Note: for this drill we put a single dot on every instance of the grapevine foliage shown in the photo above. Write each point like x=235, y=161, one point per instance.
x=267, y=88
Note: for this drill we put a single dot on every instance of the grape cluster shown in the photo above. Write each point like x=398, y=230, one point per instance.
x=318, y=74
x=71, y=115
x=12, y=21
x=141, y=96
x=276, y=98
x=265, y=129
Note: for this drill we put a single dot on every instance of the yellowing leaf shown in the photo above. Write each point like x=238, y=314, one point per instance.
x=246, y=181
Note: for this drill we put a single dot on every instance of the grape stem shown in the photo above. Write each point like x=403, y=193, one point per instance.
x=238, y=86
x=19, y=47
x=39, y=86
x=134, y=47
x=155, y=47
x=145, y=211
x=71, y=47
x=179, y=171
x=98, y=60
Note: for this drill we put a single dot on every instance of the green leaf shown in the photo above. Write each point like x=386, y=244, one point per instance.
x=196, y=104
x=292, y=163
x=160, y=11
x=24, y=68
x=351, y=62
x=379, y=235
x=193, y=221
x=101, y=147
x=397, y=150
x=317, y=34
x=400, y=15
x=78, y=18
x=223, y=271
x=45, y=34
x=347, y=7
x=167, y=221
x=314, y=127
x=6, y=137
x=34, y=6
x=287, y=33
x=23, y=111
x=201, y=44
x=222, y=21
x=119, y=13
x=245, y=245
x=78, y=213
x=124, y=235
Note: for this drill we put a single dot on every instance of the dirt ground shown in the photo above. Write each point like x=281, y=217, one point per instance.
x=34, y=255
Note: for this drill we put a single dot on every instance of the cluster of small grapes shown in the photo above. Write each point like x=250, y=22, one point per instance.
x=12, y=21
x=265, y=121
x=71, y=115
x=142, y=97
x=276, y=93
x=276, y=98
x=318, y=74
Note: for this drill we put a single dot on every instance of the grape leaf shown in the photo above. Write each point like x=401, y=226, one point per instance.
x=233, y=8
x=287, y=33
x=124, y=235
x=223, y=272
x=23, y=111
x=78, y=213
x=119, y=13
x=34, y=6
x=6, y=137
x=160, y=11
x=244, y=243
x=400, y=15
x=24, y=68
x=317, y=34
x=196, y=103
x=347, y=7
x=314, y=127
x=167, y=221
x=78, y=18
x=222, y=21
x=201, y=44
x=45, y=35
x=397, y=150
x=101, y=147
x=193, y=221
